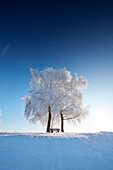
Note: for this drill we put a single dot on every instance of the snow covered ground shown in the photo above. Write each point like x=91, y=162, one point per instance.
x=68, y=151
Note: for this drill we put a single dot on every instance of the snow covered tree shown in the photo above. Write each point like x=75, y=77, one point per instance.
x=72, y=101
x=55, y=96
x=43, y=98
x=0, y=120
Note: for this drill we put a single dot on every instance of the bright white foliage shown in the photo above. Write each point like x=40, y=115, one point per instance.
x=0, y=119
x=59, y=90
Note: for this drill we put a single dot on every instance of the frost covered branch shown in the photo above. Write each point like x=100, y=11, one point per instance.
x=55, y=96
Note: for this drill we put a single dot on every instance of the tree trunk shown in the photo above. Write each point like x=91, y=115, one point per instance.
x=62, y=122
x=49, y=119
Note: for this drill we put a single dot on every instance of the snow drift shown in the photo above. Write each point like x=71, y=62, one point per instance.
x=63, y=151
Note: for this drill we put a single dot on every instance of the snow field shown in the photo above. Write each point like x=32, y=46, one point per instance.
x=63, y=151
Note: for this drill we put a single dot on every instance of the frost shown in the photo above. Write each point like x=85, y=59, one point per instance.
x=0, y=120
x=55, y=96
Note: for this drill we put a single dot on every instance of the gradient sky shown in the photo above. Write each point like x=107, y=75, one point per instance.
x=77, y=35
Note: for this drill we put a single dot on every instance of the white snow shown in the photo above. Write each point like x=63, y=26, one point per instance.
x=61, y=151
x=58, y=91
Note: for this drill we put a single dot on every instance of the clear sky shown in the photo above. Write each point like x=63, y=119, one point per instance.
x=77, y=35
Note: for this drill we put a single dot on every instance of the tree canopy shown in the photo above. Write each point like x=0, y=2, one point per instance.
x=55, y=96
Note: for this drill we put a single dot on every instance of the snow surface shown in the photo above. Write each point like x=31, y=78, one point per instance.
x=62, y=151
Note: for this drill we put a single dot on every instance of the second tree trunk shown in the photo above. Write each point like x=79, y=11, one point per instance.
x=62, y=122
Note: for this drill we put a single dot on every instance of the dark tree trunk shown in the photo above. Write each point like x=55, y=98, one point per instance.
x=49, y=119
x=62, y=122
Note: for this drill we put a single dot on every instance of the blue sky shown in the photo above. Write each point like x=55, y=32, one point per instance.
x=77, y=35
